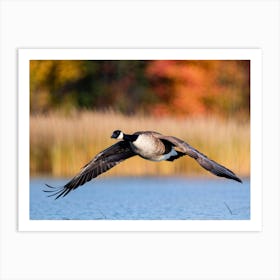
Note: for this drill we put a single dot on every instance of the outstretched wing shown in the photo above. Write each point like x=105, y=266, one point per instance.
x=104, y=161
x=203, y=160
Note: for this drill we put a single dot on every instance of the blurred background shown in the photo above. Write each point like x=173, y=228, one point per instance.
x=75, y=106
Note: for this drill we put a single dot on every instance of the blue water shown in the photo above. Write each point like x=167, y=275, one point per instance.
x=152, y=198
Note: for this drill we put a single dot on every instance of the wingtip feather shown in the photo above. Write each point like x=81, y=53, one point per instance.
x=54, y=191
x=238, y=180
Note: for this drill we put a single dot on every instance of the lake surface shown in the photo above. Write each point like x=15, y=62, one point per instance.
x=143, y=198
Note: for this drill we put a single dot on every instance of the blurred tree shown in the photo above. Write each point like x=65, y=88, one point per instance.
x=51, y=81
x=161, y=87
x=201, y=87
x=121, y=85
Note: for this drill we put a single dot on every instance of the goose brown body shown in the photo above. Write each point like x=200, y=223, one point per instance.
x=150, y=147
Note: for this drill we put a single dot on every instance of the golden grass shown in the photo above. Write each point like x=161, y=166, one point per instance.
x=61, y=145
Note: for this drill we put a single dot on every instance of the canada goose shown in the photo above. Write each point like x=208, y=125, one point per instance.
x=149, y=145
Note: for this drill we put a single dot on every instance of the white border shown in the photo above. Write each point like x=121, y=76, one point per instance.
x=254, y=55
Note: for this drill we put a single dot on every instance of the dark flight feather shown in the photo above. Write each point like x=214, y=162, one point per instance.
x=208, y=164
x=104, y=161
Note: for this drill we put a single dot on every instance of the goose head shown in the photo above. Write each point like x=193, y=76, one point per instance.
x=117, y=134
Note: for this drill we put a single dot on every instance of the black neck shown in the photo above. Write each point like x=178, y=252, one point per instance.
x=130, y=138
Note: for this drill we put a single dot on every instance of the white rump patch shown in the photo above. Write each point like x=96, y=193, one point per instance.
x=167, y=156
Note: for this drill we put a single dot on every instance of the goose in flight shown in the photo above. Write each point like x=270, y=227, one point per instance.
x=149, y=145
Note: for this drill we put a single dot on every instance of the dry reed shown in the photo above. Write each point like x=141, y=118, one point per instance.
x=60, y=145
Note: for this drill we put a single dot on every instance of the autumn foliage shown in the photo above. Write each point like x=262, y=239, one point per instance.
x=200, y=87
x=179, y=88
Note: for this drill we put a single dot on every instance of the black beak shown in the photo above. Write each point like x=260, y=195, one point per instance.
x=114, y=135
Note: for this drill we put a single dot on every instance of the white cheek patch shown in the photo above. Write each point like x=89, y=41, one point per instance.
x=120, y=137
